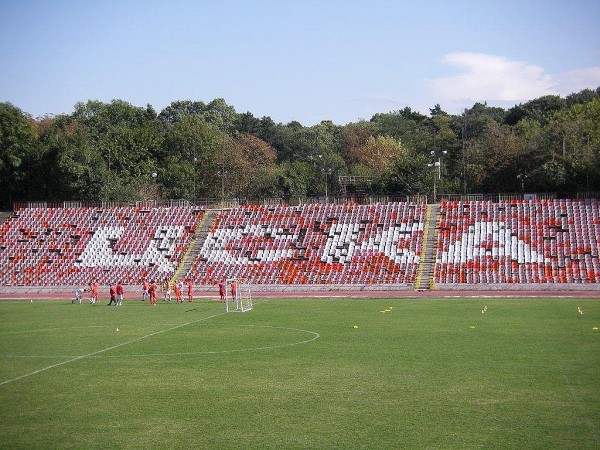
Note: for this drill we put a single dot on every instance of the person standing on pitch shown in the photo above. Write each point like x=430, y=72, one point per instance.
x=178, y=289
x=145, y=293
x=94, y=292
x=120, y=293
x=152, y=292
x=222, y=291
x=113, y=296
x=78, y=293
x=167, y=289
x=190, y=292
x=233, y=289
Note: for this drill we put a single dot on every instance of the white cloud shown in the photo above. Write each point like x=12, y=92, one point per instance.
x=498, y=80
x=576, y=80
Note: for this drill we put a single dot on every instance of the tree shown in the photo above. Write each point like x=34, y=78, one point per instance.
x=178, y=110
x=584, y=96
x=126, y=138
x=251, y=167
x=540, y=109
x=217, y=112
x=292, y=179
x=17, y=144
x=473, y=121
x=406, y=125
x=198, y=148
x=378, y=154
x=575, y=136
x=352, y=138
x=178, y=178
x=409, y=175
x=80, y=173
x=247, y=123
x=498, y=162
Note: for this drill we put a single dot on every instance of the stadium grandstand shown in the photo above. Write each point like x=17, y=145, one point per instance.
x=392, y=246
x=75, y=246
x=518, y=242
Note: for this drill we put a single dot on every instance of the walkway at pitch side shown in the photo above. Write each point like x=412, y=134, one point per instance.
x=272, y=292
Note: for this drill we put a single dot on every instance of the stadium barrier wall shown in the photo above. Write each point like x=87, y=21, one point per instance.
x=518, y=287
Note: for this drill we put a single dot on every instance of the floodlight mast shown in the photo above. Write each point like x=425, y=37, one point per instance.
x=436, y=166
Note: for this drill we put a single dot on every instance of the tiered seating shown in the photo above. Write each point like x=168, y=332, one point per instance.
x=73, y=246
x=553, y=241
x=314, y=244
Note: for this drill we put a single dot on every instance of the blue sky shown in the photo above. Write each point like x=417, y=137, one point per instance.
x=304, y=60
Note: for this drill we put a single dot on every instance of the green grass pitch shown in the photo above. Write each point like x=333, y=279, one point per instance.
x=302, y=373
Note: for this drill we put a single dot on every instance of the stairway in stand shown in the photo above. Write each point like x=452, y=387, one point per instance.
x=5, y=216
x=427, y=264
x=196, y=245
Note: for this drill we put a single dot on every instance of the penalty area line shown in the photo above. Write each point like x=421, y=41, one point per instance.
x=104, y=350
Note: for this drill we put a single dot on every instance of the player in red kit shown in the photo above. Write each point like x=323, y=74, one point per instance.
x=178, y=288
x=120, y=292
x=190, y=292
x=113, y=296
x=222, y=291
x=152, y=292
x=233, y=289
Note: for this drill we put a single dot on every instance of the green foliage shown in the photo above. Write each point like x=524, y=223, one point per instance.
x=17, y=143
x=409, y=175
x=540, y=109
x=292, y=179
x=180, y=178
x=110, y=150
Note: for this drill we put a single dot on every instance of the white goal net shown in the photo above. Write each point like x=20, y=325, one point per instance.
x=238, y=295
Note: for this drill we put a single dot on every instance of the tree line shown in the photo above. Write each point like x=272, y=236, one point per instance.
x=191, y=150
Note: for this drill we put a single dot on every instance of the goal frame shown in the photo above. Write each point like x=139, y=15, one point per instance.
x=242, y=301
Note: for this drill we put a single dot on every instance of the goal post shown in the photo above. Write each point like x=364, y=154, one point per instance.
x=238, y=295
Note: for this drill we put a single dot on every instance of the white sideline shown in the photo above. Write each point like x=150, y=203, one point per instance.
x=35, y=372
x=315, y=336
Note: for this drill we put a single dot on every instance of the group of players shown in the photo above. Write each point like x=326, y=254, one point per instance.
x=149, y=292
x=116, y=293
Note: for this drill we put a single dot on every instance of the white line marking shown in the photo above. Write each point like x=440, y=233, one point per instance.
x=249, y=349
x=314, y=334
x=51, y=329
x=35, y=372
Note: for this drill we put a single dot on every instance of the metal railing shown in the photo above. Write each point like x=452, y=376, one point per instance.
x=214, y=203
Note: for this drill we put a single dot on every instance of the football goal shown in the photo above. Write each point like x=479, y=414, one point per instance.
x=238, y=295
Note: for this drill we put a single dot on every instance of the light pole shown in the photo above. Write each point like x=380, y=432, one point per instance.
x=222, y=171
x=222, y=174
x=154, y=175
x=315, y=160
x=326, y=172
x=194, y=192
x=108, y=186
x=522, y=177
x=436, y=166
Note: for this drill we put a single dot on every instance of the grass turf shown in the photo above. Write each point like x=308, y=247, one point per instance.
x=342, y=373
